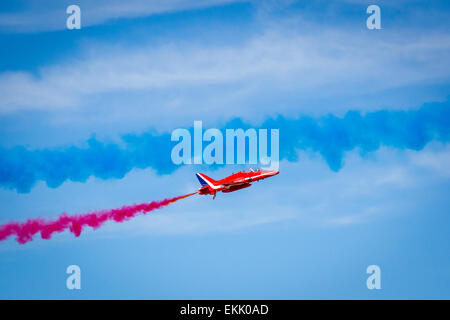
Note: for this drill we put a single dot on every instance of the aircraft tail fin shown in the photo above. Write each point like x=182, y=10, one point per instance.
x=206, y=181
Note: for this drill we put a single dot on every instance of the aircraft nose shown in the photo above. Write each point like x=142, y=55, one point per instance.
x=276, y=172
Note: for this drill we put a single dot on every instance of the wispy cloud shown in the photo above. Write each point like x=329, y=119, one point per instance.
x=358, y=194
x=304, y=193
x=50, y=15
x=330, y=136
x=326, y=61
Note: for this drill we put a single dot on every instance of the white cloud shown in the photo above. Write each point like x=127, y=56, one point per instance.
x=363, y=216
x=222, y=78
x=51, y=15
x=305, y=193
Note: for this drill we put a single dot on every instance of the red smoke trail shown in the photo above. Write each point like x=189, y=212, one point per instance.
x=26, y=230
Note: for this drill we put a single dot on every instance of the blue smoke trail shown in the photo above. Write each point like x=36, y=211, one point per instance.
x=20, y=168
x=330, y=136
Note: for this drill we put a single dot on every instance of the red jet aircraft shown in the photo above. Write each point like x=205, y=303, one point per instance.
x=236, y=181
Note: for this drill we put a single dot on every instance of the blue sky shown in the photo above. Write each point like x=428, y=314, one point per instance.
x=153, y=66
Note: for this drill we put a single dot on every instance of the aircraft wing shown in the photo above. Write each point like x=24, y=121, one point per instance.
x=235, y=183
